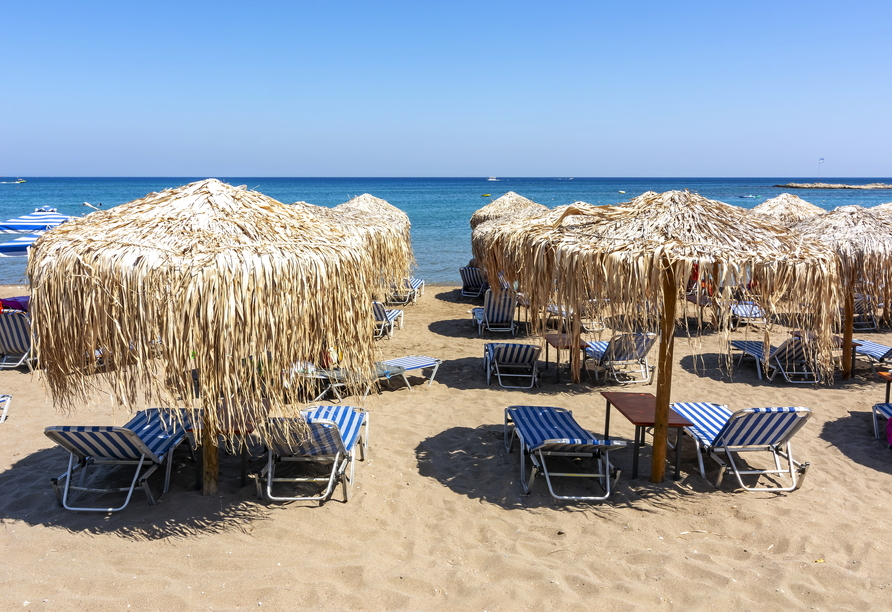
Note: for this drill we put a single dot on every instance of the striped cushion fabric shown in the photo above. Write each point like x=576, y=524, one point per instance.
x=384, y=314
x=412, y=362
x=747, y=310
x=15, y=332
x=506, y=354
x=348, y=419
x=148, y=433
x=554, y=428
x=623, y=347
x=708, y=419
x=715, y=425
x=883, y=409
x=323, y=439
x=414, y=283
x=752, y=347
x=873, y=350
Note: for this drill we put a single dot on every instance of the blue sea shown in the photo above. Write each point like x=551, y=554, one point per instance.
x=439, y=208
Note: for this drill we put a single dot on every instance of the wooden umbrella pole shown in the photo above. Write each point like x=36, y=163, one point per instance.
x=575, y=353
x=848, y=325
x=210, y=458
x=664, y=375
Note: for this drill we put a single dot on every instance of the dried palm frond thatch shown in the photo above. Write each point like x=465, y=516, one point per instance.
x=883, y=209
x=507, y=204
x=194, y=295
x=863, y=241
x=386, y=233
x=382, y=228
x=636, y=259
x=786, y=209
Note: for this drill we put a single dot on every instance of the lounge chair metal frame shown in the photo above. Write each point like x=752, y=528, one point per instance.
x=473, y=282
x=511, y=360
x=717, y=430
x=497, y=313
x=16, y=342
x=335, y=432
x=623, y=357
x=545, y=431
x=148, y=439
x=876, y=353
x=789, y=358
x=385, y=319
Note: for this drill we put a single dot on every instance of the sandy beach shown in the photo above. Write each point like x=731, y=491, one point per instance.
x=438, y=520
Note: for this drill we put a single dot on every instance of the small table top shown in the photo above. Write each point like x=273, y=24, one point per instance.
x=640, y=408
x=887, y=376
x=563, y=341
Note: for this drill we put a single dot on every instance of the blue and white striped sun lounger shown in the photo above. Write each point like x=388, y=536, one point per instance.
x=511, y=361
x=624, y=358
x=790, y=359
x=497, y=314
x=864, y=318
x=385, y=319
x=15, y=339
x=543, y=432
x=408, y=291
x=5, y=400
x=748, y=312
x=149, y=438
x=876, y=352
x=334, y=433
x=883, y=409
x=717, y=430
x=473, y=282
x=415, y=362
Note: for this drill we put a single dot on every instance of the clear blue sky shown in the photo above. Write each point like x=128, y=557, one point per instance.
x=637, y=88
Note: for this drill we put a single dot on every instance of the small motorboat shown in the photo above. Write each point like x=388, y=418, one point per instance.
x=621, y=191
x=486, y=195
x=749, y=196
x=492, y=178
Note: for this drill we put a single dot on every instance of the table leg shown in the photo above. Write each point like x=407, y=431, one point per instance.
x=557, y=365
x=607, y=422
x=888, y=385
x=639, y=434
x=678, y=434
x=244, y=462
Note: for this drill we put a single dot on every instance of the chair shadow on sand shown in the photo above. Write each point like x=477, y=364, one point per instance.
x=474, y=463
x=182, y=512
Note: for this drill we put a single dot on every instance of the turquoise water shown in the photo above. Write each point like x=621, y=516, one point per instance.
x=439, y=208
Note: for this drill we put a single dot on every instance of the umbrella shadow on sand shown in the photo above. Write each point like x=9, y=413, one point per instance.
x=853, y=437
x=474, y=462
x=182, y=512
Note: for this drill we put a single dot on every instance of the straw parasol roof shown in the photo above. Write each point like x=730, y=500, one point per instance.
x=637, y=257
x=203, y=284
x=507, y=204
x=863, y=242
x=786, y=209
x=884, y=209
x=383, y=230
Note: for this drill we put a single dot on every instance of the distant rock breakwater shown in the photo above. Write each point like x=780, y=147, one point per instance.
x=833, y=186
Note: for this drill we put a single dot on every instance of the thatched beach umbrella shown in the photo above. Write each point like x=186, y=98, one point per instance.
x=786, y=209
x=206, y=286
x=384, y=232
x=637, y=258
x=507, y=204
x=863, y=242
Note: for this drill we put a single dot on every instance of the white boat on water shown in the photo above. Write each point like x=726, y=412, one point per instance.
x=492, y=178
